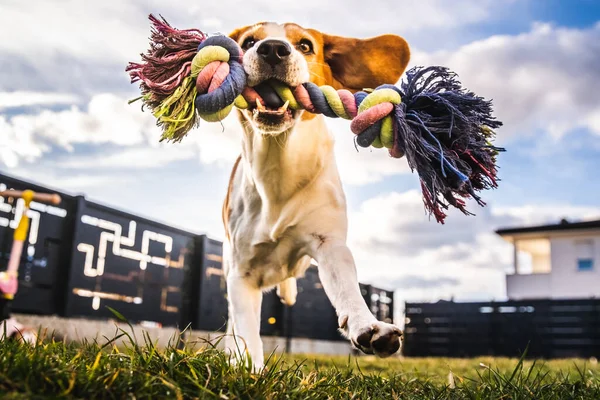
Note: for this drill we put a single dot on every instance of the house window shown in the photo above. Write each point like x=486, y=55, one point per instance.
x=585, y=255
x=532, y=256
x=585, y=264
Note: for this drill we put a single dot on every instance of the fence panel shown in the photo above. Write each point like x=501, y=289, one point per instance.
x=313, y=316
x=129, y=263
x=46, y=252
x=547, y=328
x=82, y=257
x=210, y=290
x=379, y=301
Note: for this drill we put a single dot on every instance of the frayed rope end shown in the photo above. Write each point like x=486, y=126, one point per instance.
x=445, y=133
x=164, y=76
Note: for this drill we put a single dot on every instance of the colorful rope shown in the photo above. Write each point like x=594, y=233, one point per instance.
x=220, y=84
x=444, y=131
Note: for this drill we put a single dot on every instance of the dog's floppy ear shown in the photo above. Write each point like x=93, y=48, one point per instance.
x=358, y=64
x=237, y=33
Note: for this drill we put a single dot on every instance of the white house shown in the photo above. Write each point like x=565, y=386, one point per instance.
x=560, y=261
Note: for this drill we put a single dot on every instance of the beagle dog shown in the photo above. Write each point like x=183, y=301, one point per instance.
x=285, y=204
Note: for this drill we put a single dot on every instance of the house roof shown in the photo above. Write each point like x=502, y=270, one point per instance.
x=564, y=225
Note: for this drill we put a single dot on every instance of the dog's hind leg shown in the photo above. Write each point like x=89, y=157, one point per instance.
x=287, y=291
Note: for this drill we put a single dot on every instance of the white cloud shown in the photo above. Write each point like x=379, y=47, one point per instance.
x=114, y=28
x=546, y=79
x=88, y=30
x=144, y=157
x=394, y=243
x=108, y=119
x=539, y=214
x=81, y=182
x=362, y=166
x=85, y=45
x=24, y=98
x=218, y=143
x=398, y=16
x=89, y=52
x=16, y=145
x=593, y=121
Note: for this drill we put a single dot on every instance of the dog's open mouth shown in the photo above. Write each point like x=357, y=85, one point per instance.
x=271, y=115
x=269, y=112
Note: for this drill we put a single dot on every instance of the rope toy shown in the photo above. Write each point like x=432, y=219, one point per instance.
x=443, y=130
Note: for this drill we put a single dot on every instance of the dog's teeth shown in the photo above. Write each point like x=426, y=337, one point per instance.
x=259, y=106
x=284, y=107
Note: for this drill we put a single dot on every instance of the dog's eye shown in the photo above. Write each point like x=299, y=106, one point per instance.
x=305, y=46
x=248, y=43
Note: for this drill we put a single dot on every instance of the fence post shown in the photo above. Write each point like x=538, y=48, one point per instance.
x=62, y=292
x=494, y=329
x=596, y=339
x=288, y=327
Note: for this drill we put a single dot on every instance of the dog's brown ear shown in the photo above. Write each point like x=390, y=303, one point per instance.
x=237, y=33
x=358, y=64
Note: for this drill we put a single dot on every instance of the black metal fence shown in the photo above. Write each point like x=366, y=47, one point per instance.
x=547, y=328
x=81, y=256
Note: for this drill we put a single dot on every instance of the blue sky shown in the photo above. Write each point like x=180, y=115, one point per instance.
x=64, y=121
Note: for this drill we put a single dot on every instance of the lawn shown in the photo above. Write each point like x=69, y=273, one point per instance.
x=92, y=370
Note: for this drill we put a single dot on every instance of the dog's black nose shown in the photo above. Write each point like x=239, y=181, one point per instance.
x=274, y=51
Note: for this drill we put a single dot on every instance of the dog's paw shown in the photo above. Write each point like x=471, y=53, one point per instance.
x=379, y=338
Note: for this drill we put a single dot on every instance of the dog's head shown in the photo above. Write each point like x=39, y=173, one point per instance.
x=294, y=55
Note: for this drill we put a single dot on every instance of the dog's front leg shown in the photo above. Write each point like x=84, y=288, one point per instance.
x=244, y=319
x=338, y=276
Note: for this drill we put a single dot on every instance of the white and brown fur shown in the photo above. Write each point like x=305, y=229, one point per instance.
x=285, y=204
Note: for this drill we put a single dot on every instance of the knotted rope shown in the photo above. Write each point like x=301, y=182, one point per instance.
x=444, y=131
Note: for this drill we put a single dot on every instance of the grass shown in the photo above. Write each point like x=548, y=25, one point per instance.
x=105, y=371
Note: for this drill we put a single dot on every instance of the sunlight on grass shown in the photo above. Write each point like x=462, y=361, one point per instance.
x=142, y=371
